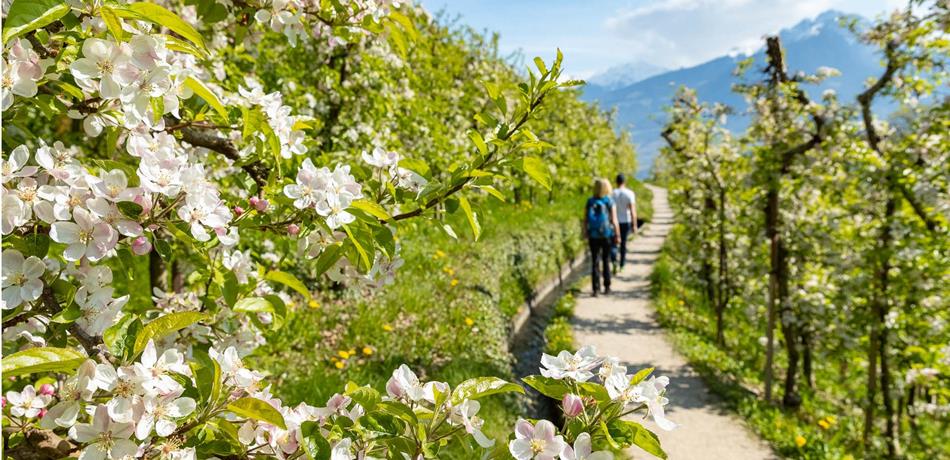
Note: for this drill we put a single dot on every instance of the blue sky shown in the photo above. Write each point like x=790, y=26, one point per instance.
x=598, y=34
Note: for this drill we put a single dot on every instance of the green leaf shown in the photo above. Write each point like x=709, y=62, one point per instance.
x=25, y=16
x=205, y=93
x=483, y=386
x=328, y=258
x=33, y=244
x=364, y=257
x=207, y=376
x=176, y=44
x=165, y=325
x=398, y=410
x=230, y=288
x=364, y=395
x=314, y=444
x=151, y=12
x=398, y=40
x=626, y=433
x=372, y=208
x=479, y=142
x=538, y=171
x=130, y=209
x=471, y=216
x=120, y=337
x=113, y=23
x=450, y=231
x=547, y=386
x=288, y=280
x=256, y=409
x=41, y=359
x=641, y=375
x=539, y=63
x=494, y=192
x=254, y=305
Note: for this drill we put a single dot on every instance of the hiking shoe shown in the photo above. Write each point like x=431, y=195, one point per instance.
x=594, y=293
x=607, y=291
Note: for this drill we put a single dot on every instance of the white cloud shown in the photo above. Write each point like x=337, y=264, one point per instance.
x=677, y=33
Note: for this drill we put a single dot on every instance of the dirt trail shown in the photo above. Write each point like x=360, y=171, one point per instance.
x=624, y=325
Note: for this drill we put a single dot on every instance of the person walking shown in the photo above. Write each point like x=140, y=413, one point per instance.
x=626, y=202
x=602, y=232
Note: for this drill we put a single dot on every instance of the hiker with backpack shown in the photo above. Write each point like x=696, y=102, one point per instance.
x=602, y=232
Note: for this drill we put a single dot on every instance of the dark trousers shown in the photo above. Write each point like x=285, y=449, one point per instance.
x=600, y=262
x=624, y=232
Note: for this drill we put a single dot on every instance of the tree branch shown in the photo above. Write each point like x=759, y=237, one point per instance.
x=211, y=141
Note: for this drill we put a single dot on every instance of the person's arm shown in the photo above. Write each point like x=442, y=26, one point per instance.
x=584, y=227
x=615, y=223
x=633, y=216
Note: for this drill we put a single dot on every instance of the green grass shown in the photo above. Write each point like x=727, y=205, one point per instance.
x=447, y=315
x=558, y=334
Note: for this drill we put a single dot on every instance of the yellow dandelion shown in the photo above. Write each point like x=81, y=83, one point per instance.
x=367, y=351
x=438, y=254
x=454, y=282
x=313, y=304
x=681, y=302
x=831, y=419
x=387, y=328
x=469, y=322
x=343, y=354
x=824, y=424
x=339, y=364
x=449, y=270
x=800, y=440
x=352, y=351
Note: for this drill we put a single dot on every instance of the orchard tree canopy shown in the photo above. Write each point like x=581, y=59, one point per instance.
x=179, y=176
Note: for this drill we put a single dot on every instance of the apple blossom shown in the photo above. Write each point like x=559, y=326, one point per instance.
x=582, y=450
x=16, y=166
x=161, y=411
x=536, y=442
x=86, y=237
x=21, y=278
x=103, y=437
x=576, y=366
x=27, y=403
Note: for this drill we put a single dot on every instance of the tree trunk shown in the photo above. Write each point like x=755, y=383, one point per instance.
x=807, y=359
x=882, y=305
x=771, y=232
x=722, y=298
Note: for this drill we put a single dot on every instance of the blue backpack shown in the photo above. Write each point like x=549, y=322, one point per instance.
x=598, y=218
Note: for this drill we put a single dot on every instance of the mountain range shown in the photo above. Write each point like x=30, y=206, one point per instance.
x=810, y=44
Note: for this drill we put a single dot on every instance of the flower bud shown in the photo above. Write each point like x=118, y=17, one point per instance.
x=238, y=211
x=572, y=405
x=145, y=202
x=293, y=229
x=42, y=413
x=394, y=389
x=3, y=402
x=260, y=204
x=141, y=246
x=47, y=389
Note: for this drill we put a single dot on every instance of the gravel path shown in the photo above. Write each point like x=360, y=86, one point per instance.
x=624, y=325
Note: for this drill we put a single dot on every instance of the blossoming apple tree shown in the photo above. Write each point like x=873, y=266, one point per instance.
x=131, y=140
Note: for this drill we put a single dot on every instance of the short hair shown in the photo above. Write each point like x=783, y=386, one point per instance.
x=601, y=187
x=621, y=179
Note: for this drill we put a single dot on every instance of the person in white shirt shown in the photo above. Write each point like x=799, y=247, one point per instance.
x=626, y=204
